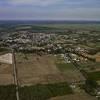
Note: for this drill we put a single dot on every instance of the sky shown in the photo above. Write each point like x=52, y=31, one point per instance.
x=49, y=9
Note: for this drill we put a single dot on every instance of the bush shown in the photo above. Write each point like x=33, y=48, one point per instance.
x=90, y=87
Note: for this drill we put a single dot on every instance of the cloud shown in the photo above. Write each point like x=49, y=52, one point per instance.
x=49, y=9
x=68, y=3
x=34, y=2
x=56, y=14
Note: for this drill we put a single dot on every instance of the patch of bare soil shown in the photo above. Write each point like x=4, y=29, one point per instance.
x=6, y=74
x=38, y=70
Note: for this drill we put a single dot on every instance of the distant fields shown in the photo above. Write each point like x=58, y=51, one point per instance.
x=76, y=26
x=50, y=27
x=62, y=27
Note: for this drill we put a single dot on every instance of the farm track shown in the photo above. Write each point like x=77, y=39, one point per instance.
x=15, y=75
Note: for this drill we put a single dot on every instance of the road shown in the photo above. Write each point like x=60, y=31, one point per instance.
x=15, y=74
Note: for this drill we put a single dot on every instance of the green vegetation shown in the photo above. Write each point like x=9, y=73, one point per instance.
x=97, y=44
x=91, y=86
x=7, y=92
x=91, y=75
x=4, y=49
x=57, y=28
x=36, y=92
x=89, y=65
x=94, y=75
x=44, y=92
x=85, y=64
x=65, y=66
x=76, y=26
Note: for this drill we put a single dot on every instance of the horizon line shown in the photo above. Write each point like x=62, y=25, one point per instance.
x=45, y=20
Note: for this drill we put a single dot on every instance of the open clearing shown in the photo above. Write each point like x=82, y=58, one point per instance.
x=6, y=74
x=34, y=69
x=6, y=69
x=77, y=96
x=6, y=58
x=72, y=74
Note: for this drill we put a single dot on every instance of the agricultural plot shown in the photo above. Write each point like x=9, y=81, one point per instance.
x=85, y=65
x=34, y=69
x=79, y=94
x=7, y=92
x=6, y=69
x=97, y=56
x=35, y=92
x=89, y=66
x=76, y=96
x=75, y=26
x=94, y=75
x=41, y=78
x=44, y=92
x=6, y=58
x=6, y=74
x=70, y=71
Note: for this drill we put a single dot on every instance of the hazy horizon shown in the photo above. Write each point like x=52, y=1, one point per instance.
x=50, y=10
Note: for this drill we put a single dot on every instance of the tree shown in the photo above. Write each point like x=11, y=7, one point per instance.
x=91, y=86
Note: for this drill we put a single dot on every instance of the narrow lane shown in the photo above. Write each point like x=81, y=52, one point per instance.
x=15, y=74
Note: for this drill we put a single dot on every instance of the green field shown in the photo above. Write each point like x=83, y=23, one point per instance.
x=75, y=26
x=65, y=66
x=36, y=92
x=7, y=92
x=50, y=27
x=94, y=75
x=44, y=92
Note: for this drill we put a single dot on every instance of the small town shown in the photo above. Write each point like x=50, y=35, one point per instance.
x=69, y=60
